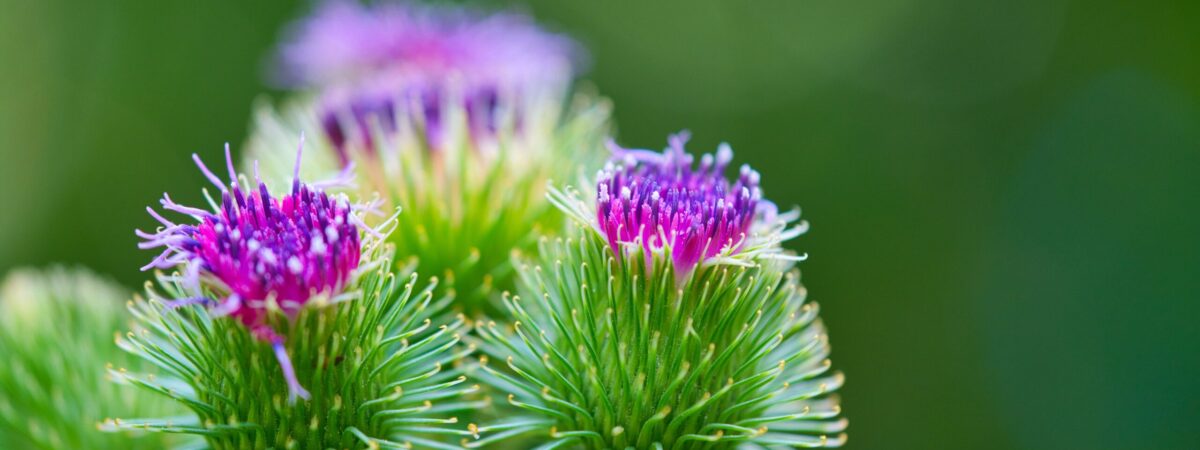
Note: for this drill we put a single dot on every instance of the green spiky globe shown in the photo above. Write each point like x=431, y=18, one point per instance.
x=380, y=374
x=608, y=353
x=56, y=335
x=282, y=325
x=670, y=316
x=467, y=206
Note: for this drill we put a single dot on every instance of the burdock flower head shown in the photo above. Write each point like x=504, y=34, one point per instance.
x=297, y=278
x=727, y=353
x=255, y=248
x=662, y=203
x=375, y=62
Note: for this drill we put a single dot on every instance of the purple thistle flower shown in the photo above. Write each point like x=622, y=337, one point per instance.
x=259, y=247
x=659, y=201
x=372, y=61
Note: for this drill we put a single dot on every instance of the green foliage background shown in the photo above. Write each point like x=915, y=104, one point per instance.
x=1003, y=194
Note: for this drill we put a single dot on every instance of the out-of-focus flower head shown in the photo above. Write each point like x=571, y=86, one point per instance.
x=254, y=248
x=56, y=335
x=371, y=63
x=460, y=117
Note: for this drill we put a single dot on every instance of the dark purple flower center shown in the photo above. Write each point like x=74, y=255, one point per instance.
x=659, y=201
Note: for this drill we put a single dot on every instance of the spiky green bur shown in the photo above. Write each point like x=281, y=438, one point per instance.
x=467, y=205
x=672, y=318
x=608, y=353
x=56, y=331
x=380, y=374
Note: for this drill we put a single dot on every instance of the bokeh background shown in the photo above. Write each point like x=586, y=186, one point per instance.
x=1003, y=195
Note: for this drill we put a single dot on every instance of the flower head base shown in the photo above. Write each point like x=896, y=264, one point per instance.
x=256, y=248
x=372, y=63
x=661, y=202
x=732, y=357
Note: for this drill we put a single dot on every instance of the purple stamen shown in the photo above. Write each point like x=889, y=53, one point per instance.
x=159, y=262
x=233, y=174
x=289, y=373
x=159, y=218
x=170, y=205
x=172, y=304
x=232, y=304
x=208, y=173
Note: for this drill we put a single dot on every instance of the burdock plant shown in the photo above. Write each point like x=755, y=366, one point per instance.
x=56, y=331
x=671, y=318
x=455, y=116
x=281, y=326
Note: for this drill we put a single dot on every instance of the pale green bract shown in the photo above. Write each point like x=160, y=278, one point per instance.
x=56, y=335
x=470, y=203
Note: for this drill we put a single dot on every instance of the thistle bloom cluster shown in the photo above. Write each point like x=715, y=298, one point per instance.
x=259, y=248
x=667, y=315
x=372, y=63
x=660, y=202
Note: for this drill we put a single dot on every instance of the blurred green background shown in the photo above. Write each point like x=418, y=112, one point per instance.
x=1003, y=195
